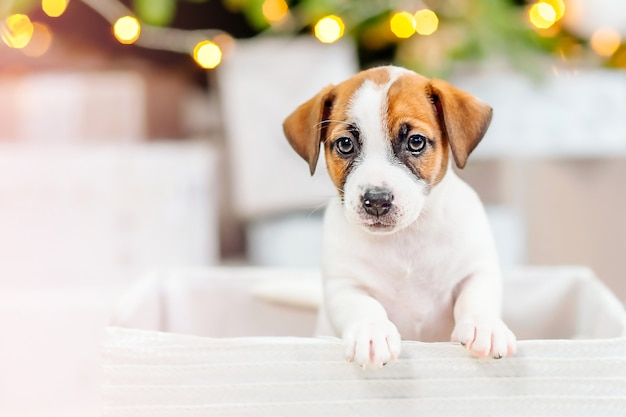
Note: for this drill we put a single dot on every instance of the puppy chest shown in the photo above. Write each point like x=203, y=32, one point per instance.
x=419, y=302
x=413, y=281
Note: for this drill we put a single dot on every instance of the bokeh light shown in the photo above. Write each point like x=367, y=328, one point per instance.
x=329, y=29
x=426, y=22
x=275, y=10
x=402, y=25
x=605, y=41
x=54, y=8
x=127, y=30
x=17, y=31
x=558, y=6
x=40, y=42
x=549, y=32
x=542, y=15
x=207, y=54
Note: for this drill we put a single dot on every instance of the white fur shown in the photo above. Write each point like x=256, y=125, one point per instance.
x=432, y=276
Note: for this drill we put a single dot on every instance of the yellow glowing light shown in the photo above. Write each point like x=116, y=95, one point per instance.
x=127, y=30
x=426, y=22
x=550, y=32
x=40, y=42
x=542, y=15
x=54, y=8
x=207, y=54
x=17, y=31
x=558, y=6
x=329, y=29
x=402, y=25
x=275, y=10
x=605, y=41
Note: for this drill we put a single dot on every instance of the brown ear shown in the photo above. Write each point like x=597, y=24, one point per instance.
x=305, y=128
x=463, y=118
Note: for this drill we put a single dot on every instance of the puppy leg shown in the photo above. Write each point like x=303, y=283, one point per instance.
x=478, y=326
x=372, y=343
x=370, y=338
x=484, y=336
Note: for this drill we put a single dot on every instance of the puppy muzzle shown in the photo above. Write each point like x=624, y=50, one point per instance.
x=377, y=201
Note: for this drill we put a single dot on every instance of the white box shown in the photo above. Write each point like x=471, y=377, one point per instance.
x=223, y=302
x=153, y=373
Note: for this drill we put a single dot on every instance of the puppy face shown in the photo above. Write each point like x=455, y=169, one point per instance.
x=387, y=134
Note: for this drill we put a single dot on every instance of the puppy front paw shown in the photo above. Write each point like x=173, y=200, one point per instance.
x=485, y=337
x=372, y=343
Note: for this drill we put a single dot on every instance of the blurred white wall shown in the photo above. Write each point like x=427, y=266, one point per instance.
x=87, y=206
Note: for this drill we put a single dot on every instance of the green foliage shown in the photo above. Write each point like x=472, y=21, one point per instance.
x=158, y=12
x=155, y=12
x=468, y=30
x=253, y=10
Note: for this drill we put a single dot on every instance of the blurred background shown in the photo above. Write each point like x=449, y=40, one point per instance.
x=146, y=134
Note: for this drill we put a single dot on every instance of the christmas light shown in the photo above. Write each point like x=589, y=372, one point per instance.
x=275, y=10
x=329, y=29
x=605, y=41
x=163, y=38
x=54, y=8
x=40, y=42
x=207, y=54
x=402, y=25
x=542, y=15
x=426, y=22
x=550, y=32
x=127, y=30
x=17, y=31
x=558, y=6
x=211, y=45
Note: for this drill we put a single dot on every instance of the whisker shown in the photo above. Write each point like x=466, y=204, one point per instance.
x=316, y=209
x=323, y=205
x=321, y=124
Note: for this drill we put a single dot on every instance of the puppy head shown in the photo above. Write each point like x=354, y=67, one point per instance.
x=387, y=135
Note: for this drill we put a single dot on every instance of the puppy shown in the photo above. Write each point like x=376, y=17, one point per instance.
x=407, y=250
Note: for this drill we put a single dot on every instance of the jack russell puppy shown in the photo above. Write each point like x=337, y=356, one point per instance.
x=407, y=249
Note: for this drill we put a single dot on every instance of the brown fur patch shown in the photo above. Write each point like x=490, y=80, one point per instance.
x=463, y=118
x=409, y=103
x=338, y=167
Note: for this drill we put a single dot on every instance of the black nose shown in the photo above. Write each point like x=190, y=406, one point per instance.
x=377, y=201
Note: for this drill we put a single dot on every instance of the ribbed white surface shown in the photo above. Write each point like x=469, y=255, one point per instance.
x=164, y=374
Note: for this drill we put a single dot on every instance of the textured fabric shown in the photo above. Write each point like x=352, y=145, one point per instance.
x=162, y=374
x=572, y=363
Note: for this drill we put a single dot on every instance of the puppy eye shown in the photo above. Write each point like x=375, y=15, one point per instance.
x=344, y=146
x=416, y=144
